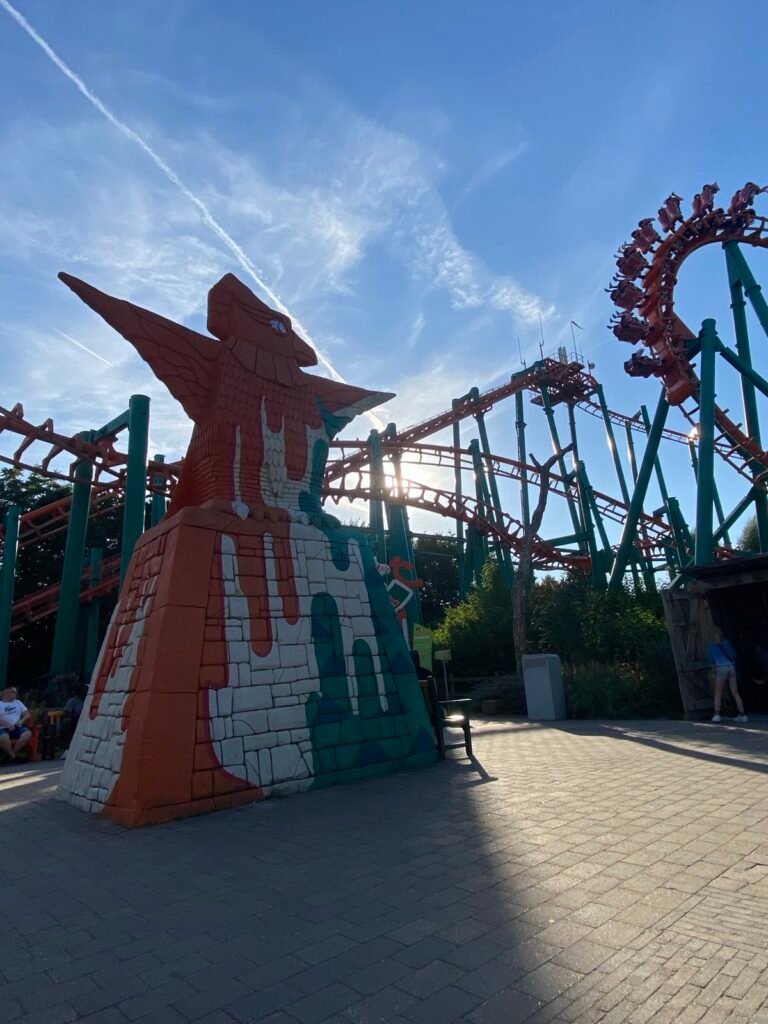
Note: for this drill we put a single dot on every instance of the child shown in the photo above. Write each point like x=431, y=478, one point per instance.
x=723, y=658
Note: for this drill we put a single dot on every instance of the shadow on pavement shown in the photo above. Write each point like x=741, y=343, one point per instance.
x=408, y=898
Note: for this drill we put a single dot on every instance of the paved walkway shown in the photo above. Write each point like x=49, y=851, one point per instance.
x=604, y=873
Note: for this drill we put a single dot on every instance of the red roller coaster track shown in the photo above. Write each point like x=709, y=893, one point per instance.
x=644, y=294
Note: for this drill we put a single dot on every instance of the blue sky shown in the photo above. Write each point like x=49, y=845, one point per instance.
x=419, y=182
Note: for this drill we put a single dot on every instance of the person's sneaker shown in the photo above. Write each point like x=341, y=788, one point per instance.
x=716, y=718
x=741, y=718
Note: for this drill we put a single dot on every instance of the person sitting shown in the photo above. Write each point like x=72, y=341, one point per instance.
x=70, y=716
x=14, y=731
x=723, y=658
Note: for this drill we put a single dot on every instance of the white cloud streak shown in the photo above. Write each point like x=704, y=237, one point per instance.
x=74, y=341
x=207, y=217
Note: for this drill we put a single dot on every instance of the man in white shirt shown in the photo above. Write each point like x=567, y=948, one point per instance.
x=14, y=732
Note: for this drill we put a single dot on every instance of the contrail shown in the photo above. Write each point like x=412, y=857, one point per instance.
x=68, y=337
x=208, y=219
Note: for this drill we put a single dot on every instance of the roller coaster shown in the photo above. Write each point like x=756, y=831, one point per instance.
x=611, y=536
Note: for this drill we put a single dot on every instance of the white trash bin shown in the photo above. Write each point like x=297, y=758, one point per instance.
x=544, y=692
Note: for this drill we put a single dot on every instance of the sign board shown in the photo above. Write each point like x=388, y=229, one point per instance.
x=442, y=655
x=422, y=644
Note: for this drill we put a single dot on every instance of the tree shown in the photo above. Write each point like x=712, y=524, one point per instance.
x=479, y=630
x=437, y=566
x=749, y=539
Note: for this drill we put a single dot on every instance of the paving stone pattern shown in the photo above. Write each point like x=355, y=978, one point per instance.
x=606, y=873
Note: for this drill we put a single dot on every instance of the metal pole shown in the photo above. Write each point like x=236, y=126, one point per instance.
x=631, y=451
x=734, y=516
x=63, y=653
x=158, y=506
x=135, y=478
x=92, y=614
x=587, y=507
x=457, y=484
x=704, y=503
x=739, y=278
x=522, y=456
x=657, y=462
x=503, y=552
x=624, y=551
x=739, y=270
x=578, y=527
x=612, y=448
x=715, y=494
x=574, y=437
x=376, y=511
x=7, y=580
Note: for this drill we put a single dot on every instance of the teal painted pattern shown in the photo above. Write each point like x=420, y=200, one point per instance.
x=354, y=742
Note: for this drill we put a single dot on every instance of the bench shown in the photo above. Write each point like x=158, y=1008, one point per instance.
x=447, y=714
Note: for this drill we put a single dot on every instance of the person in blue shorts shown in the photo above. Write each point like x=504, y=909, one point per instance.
x=14, y=732
x=723, y=658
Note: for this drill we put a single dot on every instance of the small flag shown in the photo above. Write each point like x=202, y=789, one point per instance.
x=577, y=325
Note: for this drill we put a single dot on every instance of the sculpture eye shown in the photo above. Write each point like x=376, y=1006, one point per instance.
x=279, y=326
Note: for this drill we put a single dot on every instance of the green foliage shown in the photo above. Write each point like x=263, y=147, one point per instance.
x=615, y=651
x=436, y=565
x=749, y=540
x=479, y=630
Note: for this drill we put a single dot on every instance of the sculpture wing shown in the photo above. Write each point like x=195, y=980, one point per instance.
x=182, y=359
x=344, y=400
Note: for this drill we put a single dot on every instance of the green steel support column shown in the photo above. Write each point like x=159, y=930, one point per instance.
x=63, y=653
x=684, y=544
x=657, y=462
x=400, y=538
x=457, y=486
x=704, y=502
x=504, y=553
x=631, y=451
x=92, y=615
x=588, y=507
x=7, y=580
x=612, y=448
x=574, y=437
x=715, y=493
x=624, y=552
x=738, y=269
x=135, y=478
x=734, y=516
x=482, y=495
x=740, y=278
x=158, y=507
x=522, y=456
x=376, y=512
x=578, y=527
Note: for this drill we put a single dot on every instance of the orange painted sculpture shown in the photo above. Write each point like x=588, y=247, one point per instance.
x=253, y=648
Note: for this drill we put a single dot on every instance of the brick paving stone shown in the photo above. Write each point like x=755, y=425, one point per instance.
x=614, y=872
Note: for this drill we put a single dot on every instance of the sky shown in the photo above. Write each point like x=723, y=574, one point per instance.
x=429, y=188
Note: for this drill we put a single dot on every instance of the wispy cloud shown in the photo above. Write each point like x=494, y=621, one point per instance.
x=492, y=166
x=80, y=345
x=207, y=216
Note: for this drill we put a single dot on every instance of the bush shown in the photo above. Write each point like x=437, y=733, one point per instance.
x=615, y=652
x=616, y=690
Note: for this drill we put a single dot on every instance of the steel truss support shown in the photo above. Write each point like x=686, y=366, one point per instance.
x=741, y=280
x=624, y=552
x=64, y=636
x=704, y=493
x=578, y=527
x=135, y=478
x=7, y=581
